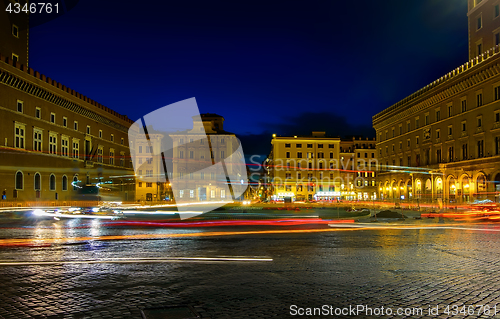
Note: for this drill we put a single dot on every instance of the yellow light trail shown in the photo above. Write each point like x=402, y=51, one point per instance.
x=337, y=228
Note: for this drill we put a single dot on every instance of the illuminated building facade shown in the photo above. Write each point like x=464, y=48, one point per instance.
x=56, y=144
x=318, y=167
x=442, y=143
x=203, y=159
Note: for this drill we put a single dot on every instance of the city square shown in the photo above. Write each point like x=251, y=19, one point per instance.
x=228, y=160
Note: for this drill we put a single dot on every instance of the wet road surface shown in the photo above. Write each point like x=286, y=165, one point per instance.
x=261, y=274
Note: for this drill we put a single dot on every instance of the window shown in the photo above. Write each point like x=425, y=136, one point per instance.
x=497, y=93
x=320, y=145
x=75, y=125
x=497, y=145
x=19, y=130
x=298, y=145
x=76, y=148
x=52, y=117
x=479, y=122
x=497, y=38
x=464, y=126
x=191, y=154
x=479, y=22
x=181, y=154
x=309, y=145
x=222, y=193
x=480, y=148
x=479, y=99
x=496, y=12
x=38, y=182
x=416, y=140
x=464, y=106
x=112, y=138
x=64, y=146
x=15, y=31
x=122, y=141
x=53, y=143
x=64, y=183
x=88, y=129
x=438, y=115
x=450, y=130
x=122, y=159
x=19, y=180
x=52, y=182
x=450, y=110
x=222, y=154
x=400, y=129
x=15, y=58
x=140, y=149
x=299, y=154
x=417, y=123
x=331, y=145
x=100, y=133
x=288, y=145
x=464, y=151
x=438, y=155
x=450, y=154
x=393, y=134
x=20, y=105
x=37, y=140
x=497, y=117
x=100, y=153
x=111, y=157
x=426, y=119
x=479, y=49
x=438, y=133
x=408, y=127
x=65, y=122
x=321, y=155
x=212, y=193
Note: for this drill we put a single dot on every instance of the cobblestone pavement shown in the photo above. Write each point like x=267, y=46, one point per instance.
x=386, y=267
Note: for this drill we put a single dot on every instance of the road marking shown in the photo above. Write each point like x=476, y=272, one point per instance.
x=136, y=261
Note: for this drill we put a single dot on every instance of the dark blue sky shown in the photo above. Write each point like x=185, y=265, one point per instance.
x=267, y=67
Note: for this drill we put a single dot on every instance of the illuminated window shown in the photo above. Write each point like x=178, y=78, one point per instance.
x=65, y=146
x=76, y=148
x=15, y=31
x=19, y=134
x=53, y=143
x=37, y=140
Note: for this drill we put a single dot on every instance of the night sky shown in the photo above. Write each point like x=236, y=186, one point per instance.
x=284, y=67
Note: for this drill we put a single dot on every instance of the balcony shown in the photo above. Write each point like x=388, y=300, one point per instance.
x=479, y=129
x=89, y=164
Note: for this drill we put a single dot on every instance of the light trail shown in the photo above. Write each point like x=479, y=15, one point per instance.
x=43, y=242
